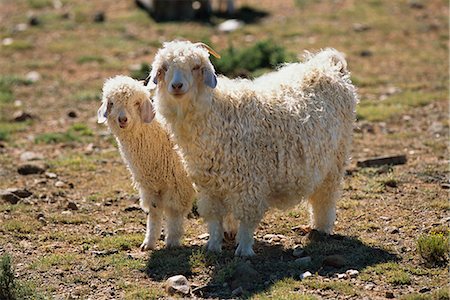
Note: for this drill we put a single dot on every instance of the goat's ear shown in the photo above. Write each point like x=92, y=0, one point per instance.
x=147, y=113
x=102, y=113
x=209, y=77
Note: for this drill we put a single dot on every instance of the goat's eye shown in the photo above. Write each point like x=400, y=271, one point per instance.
x=137, y=104
x=110, y=104
x=196, y=68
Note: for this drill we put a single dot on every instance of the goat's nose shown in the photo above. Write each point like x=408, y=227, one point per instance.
x=123, y=119
x=177, y=85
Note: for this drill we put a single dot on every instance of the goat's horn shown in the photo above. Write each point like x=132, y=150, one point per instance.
x=209, y=49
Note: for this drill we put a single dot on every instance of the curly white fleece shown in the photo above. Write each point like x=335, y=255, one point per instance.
x=269, y=142
x=149, y=154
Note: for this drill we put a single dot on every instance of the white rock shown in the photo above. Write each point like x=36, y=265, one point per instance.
x=342, y=276
x=60, y=184
x=203, y=236
x=305, y=275
x=178, y=284
x=51, y=175
x=33, y=76
x=230, y=25
x=7, y=41
x=352, y=273
x=28, y=156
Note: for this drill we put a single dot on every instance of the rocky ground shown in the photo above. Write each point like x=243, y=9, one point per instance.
x=69, y=216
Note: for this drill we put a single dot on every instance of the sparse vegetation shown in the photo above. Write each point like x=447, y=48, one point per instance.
x=256, y=59
x=433, y=248
x=397, y=53
x=10, y=287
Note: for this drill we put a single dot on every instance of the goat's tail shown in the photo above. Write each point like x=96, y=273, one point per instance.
x=329, y=60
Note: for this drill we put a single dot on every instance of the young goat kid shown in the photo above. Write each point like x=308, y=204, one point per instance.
x=252, y=145
x=155, y=166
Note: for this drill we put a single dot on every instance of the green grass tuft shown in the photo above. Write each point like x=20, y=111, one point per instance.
x=398, y=277
x=433, y=248
x=84, y=59
x=242, y=62
x=10, y=287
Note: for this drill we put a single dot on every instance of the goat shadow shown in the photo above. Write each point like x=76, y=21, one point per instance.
x=257, y=274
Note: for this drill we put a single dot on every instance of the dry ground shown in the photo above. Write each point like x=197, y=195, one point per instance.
x=398, y=55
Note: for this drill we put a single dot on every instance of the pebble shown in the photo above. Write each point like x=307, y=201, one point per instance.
x=34, y=21
x=369, y=286
x=72, y=114
x=21, y=116
x=298, y=251
x=341, y=276
x=273, y=237
x=358, y=27
x=72, y=206
x=230, y=25
x=335, y=260
x=33, y=76
x=305, y=275
x=9, y=197
x=203, y=236
x=29, y=156
x=352, y=273
x=7, y=41
x=390, y=295
x=60, y=184
x=178, y=284
x=303, y=261
x=425, y=289
x=99, y=17
x=29, y=169
x=51, y=175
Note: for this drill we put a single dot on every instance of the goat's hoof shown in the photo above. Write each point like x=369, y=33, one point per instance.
x=147, y=246
x=244, y=251
x=213, y=247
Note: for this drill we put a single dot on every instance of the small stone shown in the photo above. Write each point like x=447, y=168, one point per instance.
x=342, y=276
x=352, y=273
x=132, y=208
x=369, y=286
x=29, y=156
x=7, y=41
x=390, y=295
x=21, y=116
x=60, y=184
x=34, y=21
x=298, y=251
x=178, y=284
x=40, y=215
x=21, y=193
x=72, y=206
x=29, y=169
x=51, y=175
x=384, y=218
x=416, y=4
x=237, y=292
x=230, y=25
x=99, y=17
x=425, y=289
x=305, y=275
x=366, y=53
x=392, y=230
x=9, y=197
x=358, y=27
x=203, y=236
x=21, y=27
x=105, y=252
x=335, y=260
x=72, y=114
x=33, y=76
x=303, y=261
x=445, y=186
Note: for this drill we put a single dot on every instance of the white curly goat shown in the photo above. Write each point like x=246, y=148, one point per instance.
x=155, y=166
x=252, y=145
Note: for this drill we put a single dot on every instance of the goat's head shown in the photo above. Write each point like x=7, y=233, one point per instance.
x=125, y=103
x=181, y=68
